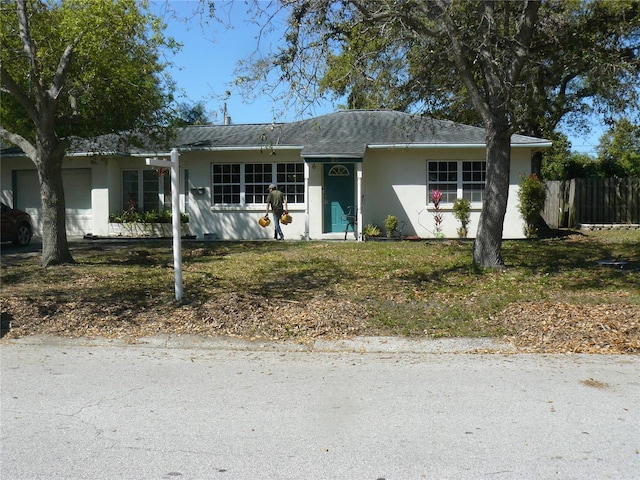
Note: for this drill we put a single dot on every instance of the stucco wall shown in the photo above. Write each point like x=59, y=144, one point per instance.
x=234, y=222
x=395, y=184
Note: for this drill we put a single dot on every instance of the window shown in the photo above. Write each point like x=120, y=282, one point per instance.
x=140, y=190
x=247, y=183
x=443, y=176
x=457, y=179
x=290, y=180
x=339, y=171
x=257, y=176
x=473, y=179
x=226, y=183
x=146, y=190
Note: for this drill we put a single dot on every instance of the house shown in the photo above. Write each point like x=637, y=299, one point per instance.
x=339, y=171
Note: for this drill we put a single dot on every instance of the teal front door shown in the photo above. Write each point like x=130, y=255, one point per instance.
x=338, y=196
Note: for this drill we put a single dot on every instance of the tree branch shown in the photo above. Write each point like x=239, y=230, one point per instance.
x=9, y=85
x=20, y=141
x=523, y=38
x=61, y=72
x=28, y=46
x=463, y=67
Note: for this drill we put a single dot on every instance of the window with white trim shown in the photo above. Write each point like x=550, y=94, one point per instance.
x=149, y=189
x=290, y=180
x=247, y=183
x=473, y=180
x=226, y=183
x=257, y=176
x=456, y=179
x=141, y=190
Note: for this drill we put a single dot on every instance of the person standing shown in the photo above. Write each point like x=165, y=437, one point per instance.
x=278, y=203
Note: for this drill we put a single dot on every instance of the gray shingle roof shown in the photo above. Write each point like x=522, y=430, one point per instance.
x=345, y=134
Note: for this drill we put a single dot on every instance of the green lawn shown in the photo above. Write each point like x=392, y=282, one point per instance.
x=414, y=288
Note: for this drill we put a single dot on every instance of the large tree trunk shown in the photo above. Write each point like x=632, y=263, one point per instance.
x=55, y=247
x=487, y=248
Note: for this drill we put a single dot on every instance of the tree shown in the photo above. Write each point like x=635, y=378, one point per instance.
x=484, y=45
x=74, y=69
x=619, y=150
x=584, y=60
x=190, y=114
x=559, y=163
x=618, y=155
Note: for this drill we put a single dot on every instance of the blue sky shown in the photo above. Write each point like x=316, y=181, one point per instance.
x=204, y=68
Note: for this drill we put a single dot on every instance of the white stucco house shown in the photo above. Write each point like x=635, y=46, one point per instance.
x=351, y=165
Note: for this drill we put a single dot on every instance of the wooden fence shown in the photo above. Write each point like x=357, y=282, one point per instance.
x=592, y=201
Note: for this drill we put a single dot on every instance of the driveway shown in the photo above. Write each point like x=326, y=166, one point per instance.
x=221, y=409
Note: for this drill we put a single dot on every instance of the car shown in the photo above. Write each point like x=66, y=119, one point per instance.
x=16, y=226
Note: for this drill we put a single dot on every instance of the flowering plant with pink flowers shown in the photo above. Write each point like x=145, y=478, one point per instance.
x=436, y=196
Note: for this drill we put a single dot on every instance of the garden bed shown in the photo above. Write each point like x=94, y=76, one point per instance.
x=145, y=230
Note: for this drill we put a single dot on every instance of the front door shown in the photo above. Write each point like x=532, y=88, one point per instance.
x=339, y=194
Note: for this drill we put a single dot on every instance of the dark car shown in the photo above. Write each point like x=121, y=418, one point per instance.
x=16, y=226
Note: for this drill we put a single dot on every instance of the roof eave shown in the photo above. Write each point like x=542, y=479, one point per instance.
x=540, y=145
x=237, y=148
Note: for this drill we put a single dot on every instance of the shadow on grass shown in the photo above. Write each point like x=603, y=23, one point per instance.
x=298, y=279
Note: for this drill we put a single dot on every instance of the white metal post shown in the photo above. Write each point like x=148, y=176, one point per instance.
x=359, y=200
x=175, y=215
x=306, y=200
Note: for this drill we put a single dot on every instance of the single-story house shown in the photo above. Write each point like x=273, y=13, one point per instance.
x=340, y=170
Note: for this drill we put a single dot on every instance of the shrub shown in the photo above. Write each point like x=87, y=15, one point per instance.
x=532, y=196
x=132, y=216
x=371, y=230
x=461, y=210
x=391, y=225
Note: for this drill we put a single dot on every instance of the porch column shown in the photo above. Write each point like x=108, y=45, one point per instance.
x=306, y=200
x=359, y=200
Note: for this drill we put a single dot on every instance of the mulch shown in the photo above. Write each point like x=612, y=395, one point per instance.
x=607, y=328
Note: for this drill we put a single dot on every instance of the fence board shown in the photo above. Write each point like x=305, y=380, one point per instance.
x=592, y=200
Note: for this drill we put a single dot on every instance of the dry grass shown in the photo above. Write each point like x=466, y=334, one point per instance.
x=553, y=296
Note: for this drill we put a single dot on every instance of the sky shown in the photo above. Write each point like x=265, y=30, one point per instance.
x=205, y=67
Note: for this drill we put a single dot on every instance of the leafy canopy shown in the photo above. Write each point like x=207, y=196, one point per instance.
x=583, y=59
x=115, y=78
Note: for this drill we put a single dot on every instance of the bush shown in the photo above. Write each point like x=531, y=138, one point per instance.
x=461, y=210
x=391, y=225
x=532, y=196
x=132, y=216
x=371, y=230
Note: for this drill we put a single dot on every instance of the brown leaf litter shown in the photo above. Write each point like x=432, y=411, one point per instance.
x=532, y=327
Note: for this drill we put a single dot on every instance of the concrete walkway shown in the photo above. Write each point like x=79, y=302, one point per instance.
x=185, y=408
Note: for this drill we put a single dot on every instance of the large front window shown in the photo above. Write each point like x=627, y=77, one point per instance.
x=147, y=190
x=226, y=183
x=247, y=183
x=140, y=190
x=457, y=179
x=290, y=179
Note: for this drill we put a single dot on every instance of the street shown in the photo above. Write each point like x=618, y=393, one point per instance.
x=79, y=409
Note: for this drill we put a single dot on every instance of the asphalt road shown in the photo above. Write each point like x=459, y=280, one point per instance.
x=104, y=410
